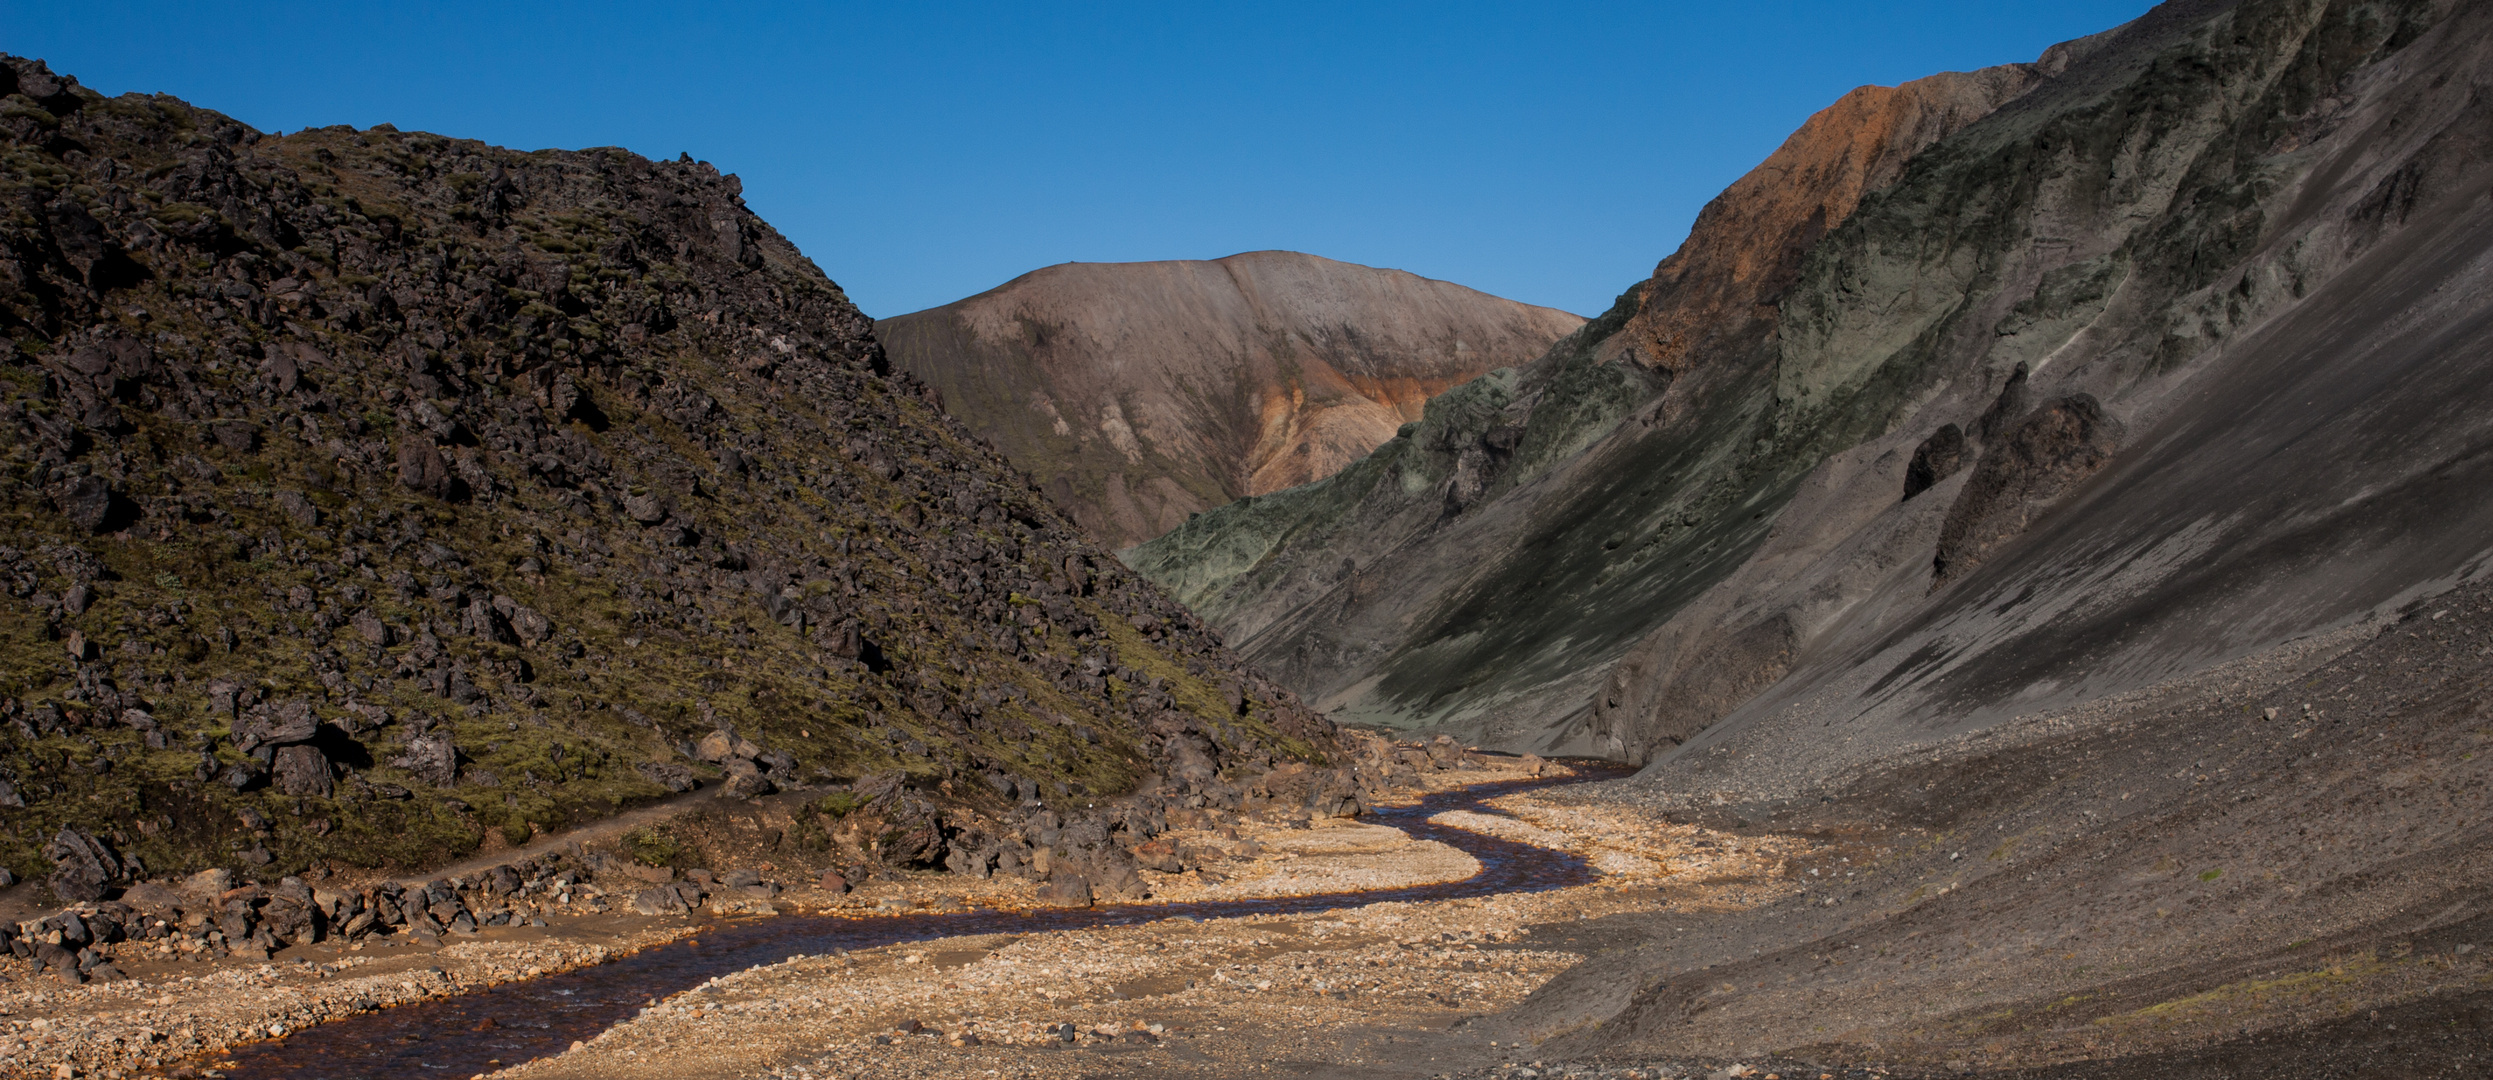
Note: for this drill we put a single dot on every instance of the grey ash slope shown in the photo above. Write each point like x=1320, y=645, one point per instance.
x=2192, y=301
x=368, y=493
x=1140, y=393
x=2097, y=566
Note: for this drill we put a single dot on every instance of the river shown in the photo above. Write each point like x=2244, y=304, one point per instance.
x=505, y=1025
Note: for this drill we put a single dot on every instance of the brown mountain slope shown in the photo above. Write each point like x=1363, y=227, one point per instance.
x=1140, y=393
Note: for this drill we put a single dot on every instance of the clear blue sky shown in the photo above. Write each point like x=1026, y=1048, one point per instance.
x=920, y=153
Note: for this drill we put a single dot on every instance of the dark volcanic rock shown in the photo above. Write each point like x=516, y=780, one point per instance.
x=516, y=466
x=302, y=770
x=82, y=867
x=1936, y=459
x=2032, y=465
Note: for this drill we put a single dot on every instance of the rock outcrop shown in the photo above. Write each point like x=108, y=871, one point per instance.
x=368, y=491
x=1140, y=393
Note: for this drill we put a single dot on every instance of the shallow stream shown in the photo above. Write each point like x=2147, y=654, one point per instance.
x=502, y=1026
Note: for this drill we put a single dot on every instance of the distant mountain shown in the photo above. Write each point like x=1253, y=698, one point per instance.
x=1140, y=393
x=367, y=492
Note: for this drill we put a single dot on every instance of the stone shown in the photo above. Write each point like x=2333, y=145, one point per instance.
x=205, y=887
x=669, y=775
x=243, y=775
x=661, y=901
x=431, y=758
x=278, y=723
x=88, y=503
x=153, y=899
x=55, y=959
x=528, y=624
x=300, y=508
x=831, y=882
x=302, y=770
x=373, y=630
x=739, y=878
x=645, y=509
x=422, y=470
x=715, y=747
x=745, y=780
x=82, y=867
x=1065, y=890
x=488, y=624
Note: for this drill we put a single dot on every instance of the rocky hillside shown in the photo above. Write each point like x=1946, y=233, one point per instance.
x=2086, y=549
x=1141, y=393
x=1477, y=571
x=371, y=497
x=2144, y=357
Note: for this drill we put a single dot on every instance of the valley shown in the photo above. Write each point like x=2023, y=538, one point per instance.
x=2006, y=597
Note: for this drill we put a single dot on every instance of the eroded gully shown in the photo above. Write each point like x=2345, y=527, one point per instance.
x=534, y=1018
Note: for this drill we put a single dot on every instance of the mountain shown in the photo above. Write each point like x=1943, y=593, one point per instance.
x=1469, y=573
x=2079, y=543
x=371, y=496
x=2139, y=359
x=1141, y=393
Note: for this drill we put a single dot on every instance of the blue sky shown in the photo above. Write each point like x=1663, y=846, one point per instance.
x=1551, y=152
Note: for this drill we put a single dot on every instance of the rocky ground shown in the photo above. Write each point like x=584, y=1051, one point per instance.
x=143, y=980
x=1386, y=989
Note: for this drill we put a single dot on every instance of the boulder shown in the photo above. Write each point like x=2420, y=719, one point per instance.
x=277, y=723
x=724, y=745
x=206, y=888
x=1065, y=890
x=302, y=770
x=659, y=901
x=431, y=758
x=745, y=779
x=88, y=503
x=82, y=867
x=154, y=900
x=421, y=468
x=530, y=625
x=669, y=775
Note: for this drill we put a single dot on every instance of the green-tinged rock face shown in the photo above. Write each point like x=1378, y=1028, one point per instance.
x=373, y=496
x=2100, y=218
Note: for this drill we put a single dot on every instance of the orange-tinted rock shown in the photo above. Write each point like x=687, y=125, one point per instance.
x=1747, y=244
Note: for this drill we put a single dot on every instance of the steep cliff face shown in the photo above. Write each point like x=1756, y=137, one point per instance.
x=368, y=492
x=1141, y=393
x=1481, y=570
x=2196, y=340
